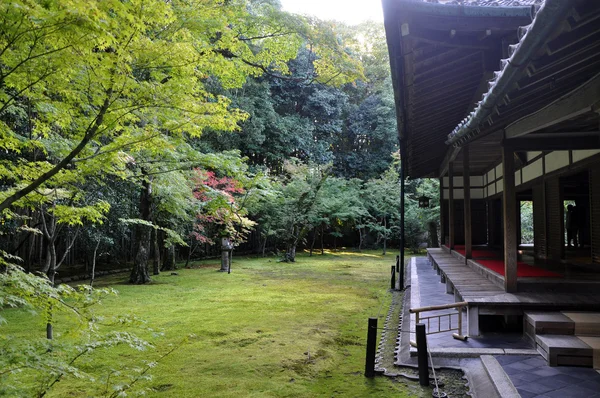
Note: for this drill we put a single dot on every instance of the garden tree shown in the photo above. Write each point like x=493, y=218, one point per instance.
x=99, y=77
x=263, y=208
x=59, y=208
x=28, y=357
x=311, y=116
x=222, y=215
x=288, y=117
x=296, y=202
x=364, y=149
x=166, y=202
x=382, y=197
x=338, y=206
x=368, y=137
x=421, y=224
x=526, y=221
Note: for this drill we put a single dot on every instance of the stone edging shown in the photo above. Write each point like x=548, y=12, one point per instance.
x=499, y=378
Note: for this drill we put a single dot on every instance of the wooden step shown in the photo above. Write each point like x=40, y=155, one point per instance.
x=564, y=350
x=586, y=323
x=537, y=322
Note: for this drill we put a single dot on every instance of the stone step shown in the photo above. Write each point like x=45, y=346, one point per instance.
x=565, y=350
x=538, y=322
x=565, y=323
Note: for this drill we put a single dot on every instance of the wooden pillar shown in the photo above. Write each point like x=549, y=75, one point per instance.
x=451, y=205
x=555, y=226
x=595, y=213
x=539, y=222
x=509, y=203
x=491, y=241
x=442, y=234
x=467, y=207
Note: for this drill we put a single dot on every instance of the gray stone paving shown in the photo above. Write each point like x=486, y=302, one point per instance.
x=532, y=377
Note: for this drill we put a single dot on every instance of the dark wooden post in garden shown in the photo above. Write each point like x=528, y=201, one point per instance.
x=467, y=198
x=510, y=220
x=451, y=205
x=371, y=347
x=422, y=355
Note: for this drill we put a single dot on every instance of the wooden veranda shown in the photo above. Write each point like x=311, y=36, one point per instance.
x=502, y=104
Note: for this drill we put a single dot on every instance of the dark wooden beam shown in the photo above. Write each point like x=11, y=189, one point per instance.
x=509, y=203
x=467, y=205
x=451, y=206
x=442, y=235
x=450, y=156
x=560, y=143
x=579, y=101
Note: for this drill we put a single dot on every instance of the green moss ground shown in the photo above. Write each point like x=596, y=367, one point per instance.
x=268, y=329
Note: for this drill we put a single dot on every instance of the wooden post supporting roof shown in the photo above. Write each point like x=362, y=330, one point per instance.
x=451, y=205
x=595, y=213
x=442, y=234
x=467, y=207
x=510, y=220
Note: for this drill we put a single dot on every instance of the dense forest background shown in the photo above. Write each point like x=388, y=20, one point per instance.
x=141, y=134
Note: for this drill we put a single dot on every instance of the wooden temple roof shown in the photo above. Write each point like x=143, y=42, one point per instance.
x=449, y=61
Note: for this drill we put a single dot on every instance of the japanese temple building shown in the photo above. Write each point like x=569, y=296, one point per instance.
x=500, y=100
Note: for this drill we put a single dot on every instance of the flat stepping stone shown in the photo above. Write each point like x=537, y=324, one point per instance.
x=564, y=350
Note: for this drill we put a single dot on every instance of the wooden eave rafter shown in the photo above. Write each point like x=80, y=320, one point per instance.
x=579, y=101
x=428, y=61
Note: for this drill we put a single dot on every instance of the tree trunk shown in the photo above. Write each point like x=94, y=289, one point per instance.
x=191, y=249
x=384, y=236
x=156, y=256
x=169, y=263
x=322, y=245
x=291, y=254
x=94, y=263
x=312, y=245
x=264, y=246
x=361, y=239
x=51, y=274
x=139, y=273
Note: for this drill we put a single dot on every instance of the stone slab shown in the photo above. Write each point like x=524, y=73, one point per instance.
x=499, y=378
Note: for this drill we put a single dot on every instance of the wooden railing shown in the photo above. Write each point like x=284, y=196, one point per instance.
x=427, y=319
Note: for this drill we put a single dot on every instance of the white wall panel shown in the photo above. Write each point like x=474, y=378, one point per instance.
x=534, y=170
x=532, y=155
x=580, y=155
x=476, y=181
x=556, y=160
x=477, y=193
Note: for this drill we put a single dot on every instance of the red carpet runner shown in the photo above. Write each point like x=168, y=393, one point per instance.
x=490, y=259
x=523, y=269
